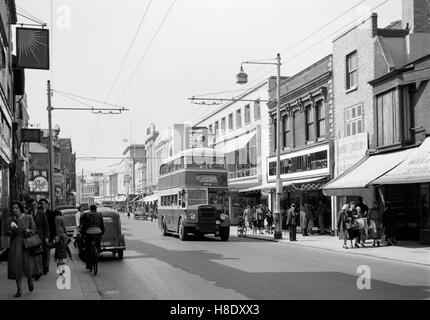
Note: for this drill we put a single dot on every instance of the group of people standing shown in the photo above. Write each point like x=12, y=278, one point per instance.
x=308, y=217
x=50, y=228
x=254, y=218
x=357, y=223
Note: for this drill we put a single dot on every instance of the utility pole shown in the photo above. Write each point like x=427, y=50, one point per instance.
x=51, y=150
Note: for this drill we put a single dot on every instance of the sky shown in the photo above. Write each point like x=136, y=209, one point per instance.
x=184, y=48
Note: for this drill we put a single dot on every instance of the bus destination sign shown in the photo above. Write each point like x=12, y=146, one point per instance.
x=207, y=180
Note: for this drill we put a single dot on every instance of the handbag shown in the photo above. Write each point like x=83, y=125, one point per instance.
x=32, y=241
x=35, y=251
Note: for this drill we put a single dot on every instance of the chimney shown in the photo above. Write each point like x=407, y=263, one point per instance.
x=416, y=16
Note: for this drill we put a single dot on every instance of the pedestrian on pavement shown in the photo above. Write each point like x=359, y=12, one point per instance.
x=284, y=220
x=293, y=219
x=375, y=224
x=321, y=214
x=254, y=220
x=247, y=217
x=389, y=221
x=77, y=223
x=62, y=240
x=42, y=230
x=269, y=219
x=151, y=212
x=44, y=207
x=303, y=221
x=352, y=224
x=341, y=225
x=362, y=222
x=20, y=263
x=260, y=218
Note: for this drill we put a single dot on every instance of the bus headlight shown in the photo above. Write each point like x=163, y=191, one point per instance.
x=223, y=216
x=192, y=216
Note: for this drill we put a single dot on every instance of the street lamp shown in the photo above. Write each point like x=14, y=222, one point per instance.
x=242, y=78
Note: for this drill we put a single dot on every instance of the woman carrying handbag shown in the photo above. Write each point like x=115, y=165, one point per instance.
x=20, y=262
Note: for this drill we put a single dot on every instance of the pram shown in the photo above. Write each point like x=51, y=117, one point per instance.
x=241, y=228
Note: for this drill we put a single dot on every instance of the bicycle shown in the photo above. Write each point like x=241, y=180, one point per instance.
x=93, y=257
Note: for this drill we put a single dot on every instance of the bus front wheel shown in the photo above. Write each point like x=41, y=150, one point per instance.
x=224, y=233
x=183, y=235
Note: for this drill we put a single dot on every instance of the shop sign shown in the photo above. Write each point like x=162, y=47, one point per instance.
x=39, y=184
x=350, y=150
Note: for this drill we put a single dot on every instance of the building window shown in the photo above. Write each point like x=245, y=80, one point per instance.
x=230, y=121
x=286, y=125
x=257, y=110
x=351, y=70
x=388, y=118
x=247, y=114
x=354, y=120
x=223, y=126
x=238, y=118
x=211, y=130
x=216, y=129
x=309, y=123
x=321, y=118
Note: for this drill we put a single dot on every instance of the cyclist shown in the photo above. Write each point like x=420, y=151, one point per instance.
x=92, y=228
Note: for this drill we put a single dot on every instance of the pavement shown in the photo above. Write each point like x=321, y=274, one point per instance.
x=82, y=286
x=404, y=251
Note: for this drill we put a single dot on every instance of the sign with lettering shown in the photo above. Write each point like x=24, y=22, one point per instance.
x=207, y=180
x=39, y=184
x=350, y=150
x=31, y=135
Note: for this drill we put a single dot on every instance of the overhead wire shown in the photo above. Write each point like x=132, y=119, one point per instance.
x=146, y=51
x=295, y=45
x=351, y=23
x=120, y=71
x=142, y=58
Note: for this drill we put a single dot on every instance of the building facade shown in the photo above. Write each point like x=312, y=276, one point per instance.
x=307, y=134
x=240, y=130
x=392, y=115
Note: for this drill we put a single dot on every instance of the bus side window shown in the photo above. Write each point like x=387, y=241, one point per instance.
x=179, y=199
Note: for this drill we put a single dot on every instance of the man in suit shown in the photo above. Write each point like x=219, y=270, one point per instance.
x=293, y=218
x=42, y=230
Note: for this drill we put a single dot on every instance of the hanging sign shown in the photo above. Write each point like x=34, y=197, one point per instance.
x=32, y=48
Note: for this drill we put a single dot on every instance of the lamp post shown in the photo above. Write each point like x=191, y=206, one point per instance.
x=242, y=78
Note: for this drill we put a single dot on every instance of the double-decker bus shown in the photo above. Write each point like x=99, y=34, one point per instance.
x=193, y=194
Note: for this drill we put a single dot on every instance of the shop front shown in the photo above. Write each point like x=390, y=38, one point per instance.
x=303, y=175
x=407, y=188
x=401, y=178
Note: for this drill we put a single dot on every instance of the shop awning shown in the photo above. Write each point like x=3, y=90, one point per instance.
x=151, y=198
x=364, y=172
x=136, y=198
x=415, y=168
x=272, y=185
x=235, y=144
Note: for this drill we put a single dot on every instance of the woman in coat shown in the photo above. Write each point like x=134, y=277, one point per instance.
x=375, y=224
x=20, y=263
x=341, y=227
x=62, y=239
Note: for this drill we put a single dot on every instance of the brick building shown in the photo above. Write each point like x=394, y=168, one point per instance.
x=307, y=132
x=394, y=118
